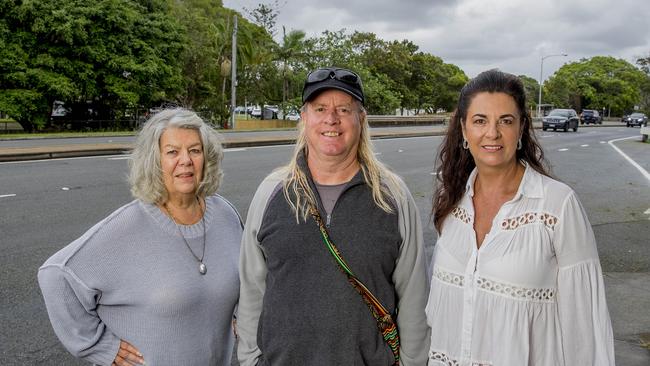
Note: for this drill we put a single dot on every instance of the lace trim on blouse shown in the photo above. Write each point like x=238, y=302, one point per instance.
x=462, y=215
x=446, y=360
x=500, y=288
x=448, y=277
x=512, y=223
x=516, y=292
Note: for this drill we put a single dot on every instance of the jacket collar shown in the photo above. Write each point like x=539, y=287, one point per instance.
x=302, y=164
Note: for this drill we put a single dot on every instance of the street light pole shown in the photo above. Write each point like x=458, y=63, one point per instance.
x=233, y=76
x=541, y=78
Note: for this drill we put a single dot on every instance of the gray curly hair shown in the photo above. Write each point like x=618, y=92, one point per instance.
x=145, y=175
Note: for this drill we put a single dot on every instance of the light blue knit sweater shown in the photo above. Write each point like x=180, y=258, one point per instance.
x=131, y=277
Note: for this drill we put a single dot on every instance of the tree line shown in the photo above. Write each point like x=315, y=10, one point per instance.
x=113, y=59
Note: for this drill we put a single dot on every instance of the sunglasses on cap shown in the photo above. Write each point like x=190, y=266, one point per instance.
x=342, y=75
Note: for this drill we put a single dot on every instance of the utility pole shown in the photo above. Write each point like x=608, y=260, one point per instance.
x=233, y=76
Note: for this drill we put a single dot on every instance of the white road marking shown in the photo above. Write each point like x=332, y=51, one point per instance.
x=647, y=212
x=65, y=188
x=634, y=163
x=603, y=142
x=585, y=145
x=59, y=159
x=235, y=149
x=271, y=146
x=563, y=150
x=433, y=173
x=400, y=150
x=7, y=195
x=120, y=158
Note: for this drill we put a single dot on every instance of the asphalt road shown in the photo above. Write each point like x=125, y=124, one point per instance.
x=46, y=204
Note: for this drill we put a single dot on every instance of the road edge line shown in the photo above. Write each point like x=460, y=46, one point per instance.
x=634, y=163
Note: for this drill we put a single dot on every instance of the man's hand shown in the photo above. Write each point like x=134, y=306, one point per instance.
x=128, y=355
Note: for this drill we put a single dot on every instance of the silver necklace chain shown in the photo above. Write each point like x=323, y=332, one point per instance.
x=202, y=268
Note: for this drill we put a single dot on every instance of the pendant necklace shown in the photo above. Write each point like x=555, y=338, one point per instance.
x=202, y=268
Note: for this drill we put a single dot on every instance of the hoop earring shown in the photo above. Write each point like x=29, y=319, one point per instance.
x=519, y=145
x=465, y=144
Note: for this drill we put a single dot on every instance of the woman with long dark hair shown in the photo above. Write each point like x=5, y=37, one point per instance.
x=516, y=275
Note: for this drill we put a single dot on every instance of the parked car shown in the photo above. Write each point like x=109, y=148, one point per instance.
x=625, y=118
x=292, y=115
x=256, y=111
x=637, y=119
x=561, y=119
x=270, y=112
x=590, y=116
x=240, y=110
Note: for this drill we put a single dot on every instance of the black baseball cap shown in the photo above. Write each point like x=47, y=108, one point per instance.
x=332, y=78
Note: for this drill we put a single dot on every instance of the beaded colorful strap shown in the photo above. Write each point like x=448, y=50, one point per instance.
x=385, y=321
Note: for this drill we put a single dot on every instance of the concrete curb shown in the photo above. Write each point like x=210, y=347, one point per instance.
x=69, y=151
x=231, y=140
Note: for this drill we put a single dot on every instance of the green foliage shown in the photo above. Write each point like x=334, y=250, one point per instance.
x=532, y=91
x=291, y=53
x=206, y=58
x=597, y=83
x=394, y=73
x=27, y=107
x=379, y=98
x=120, y=55
x=116, y=53
x=644, y=63
x=265, y=15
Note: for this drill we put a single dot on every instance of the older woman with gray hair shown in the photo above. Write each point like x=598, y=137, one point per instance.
x=157, y=280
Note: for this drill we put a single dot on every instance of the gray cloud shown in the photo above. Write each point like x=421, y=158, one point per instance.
x=476, y=34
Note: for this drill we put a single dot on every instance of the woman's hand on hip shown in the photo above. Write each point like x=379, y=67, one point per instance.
x=128, y=355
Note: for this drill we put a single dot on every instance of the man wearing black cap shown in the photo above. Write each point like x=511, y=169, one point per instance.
x=332, y=269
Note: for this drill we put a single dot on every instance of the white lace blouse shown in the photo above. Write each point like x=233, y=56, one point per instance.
x=533, y=293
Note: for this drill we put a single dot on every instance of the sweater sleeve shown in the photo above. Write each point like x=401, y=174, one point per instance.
x=252, y=277
x=411, y=286
x=71, y=306
x=586, y=329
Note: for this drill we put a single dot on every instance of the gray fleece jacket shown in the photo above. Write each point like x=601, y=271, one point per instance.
x=297, y=308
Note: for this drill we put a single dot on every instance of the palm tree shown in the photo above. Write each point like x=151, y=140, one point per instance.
x=292, y=50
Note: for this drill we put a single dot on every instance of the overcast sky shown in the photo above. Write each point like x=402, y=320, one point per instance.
x=478, y=35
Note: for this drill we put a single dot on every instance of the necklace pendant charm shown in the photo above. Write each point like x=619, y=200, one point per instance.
x=202, y=268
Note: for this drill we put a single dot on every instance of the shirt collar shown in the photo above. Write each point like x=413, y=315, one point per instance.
x=531, y=184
